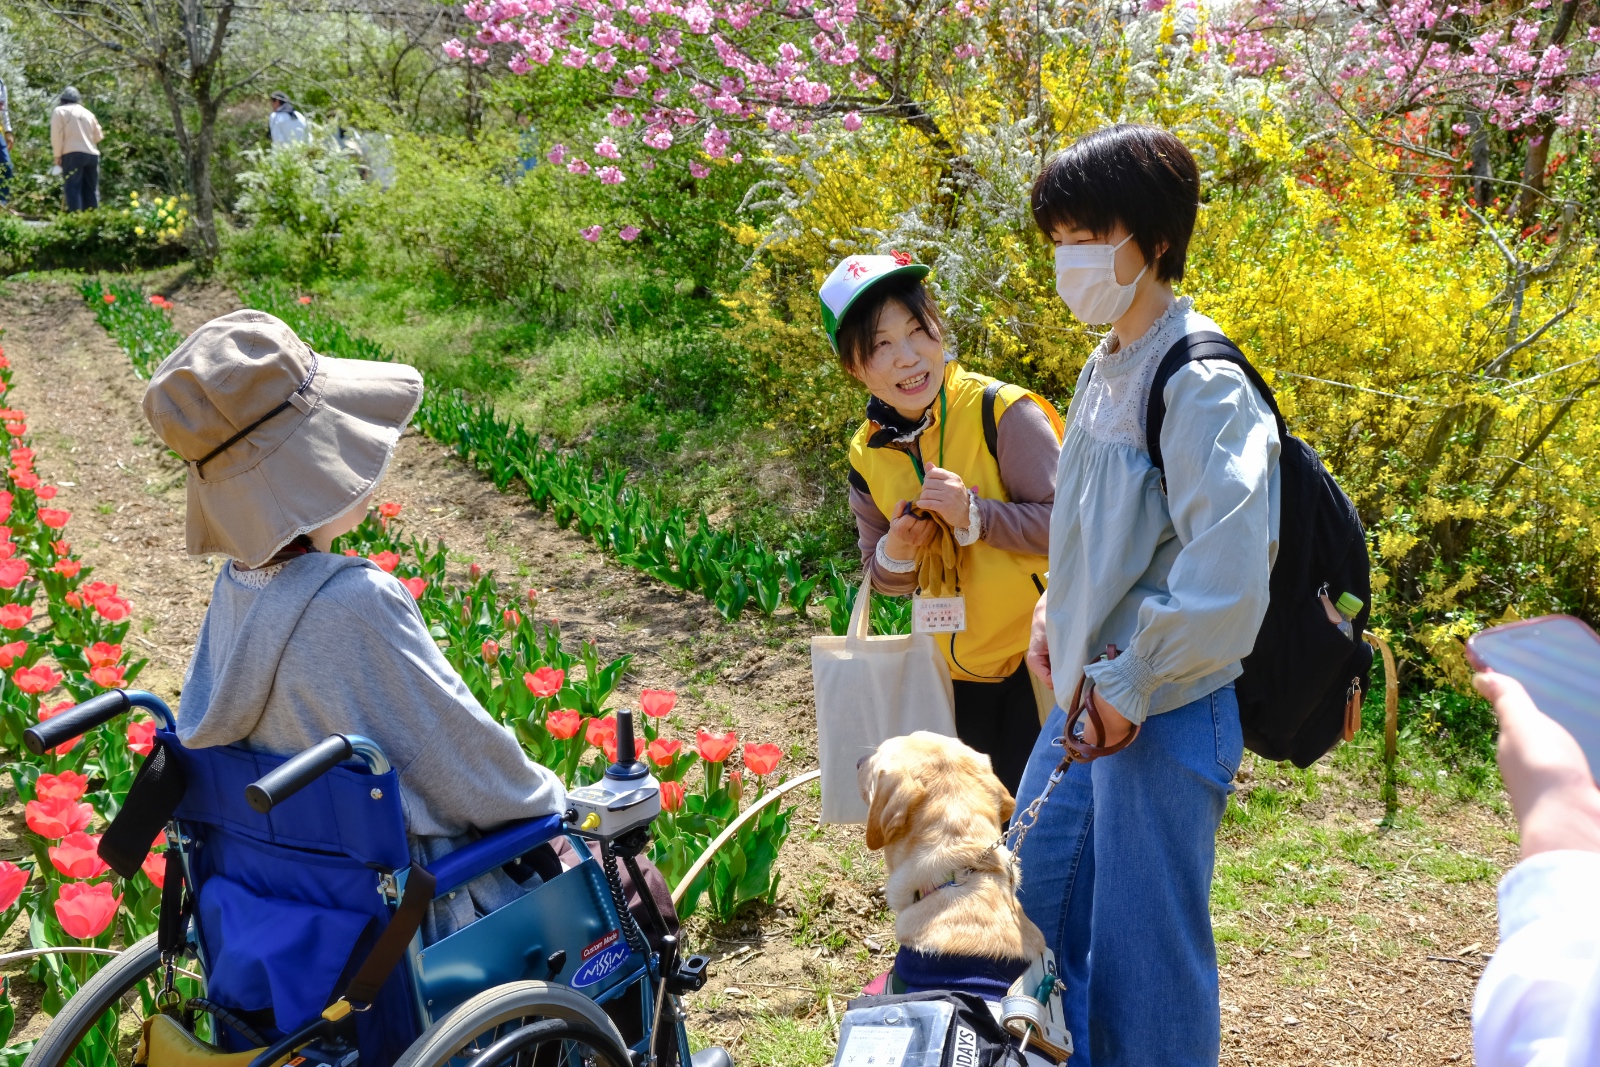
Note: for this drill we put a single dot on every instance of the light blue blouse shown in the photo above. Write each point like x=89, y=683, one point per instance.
x=1176, y=580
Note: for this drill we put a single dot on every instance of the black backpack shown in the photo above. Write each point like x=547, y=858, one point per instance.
x=1302, y=671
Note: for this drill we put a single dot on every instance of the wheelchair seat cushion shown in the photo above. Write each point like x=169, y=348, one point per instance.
x=273, y=953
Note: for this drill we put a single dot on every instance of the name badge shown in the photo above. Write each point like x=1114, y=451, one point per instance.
x=938, y=614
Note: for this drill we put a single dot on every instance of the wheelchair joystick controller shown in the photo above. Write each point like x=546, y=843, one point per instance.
x=625, y=799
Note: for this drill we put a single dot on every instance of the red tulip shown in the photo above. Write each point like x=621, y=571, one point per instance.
x=76, y=856
x=475, y=572
x=155, y=869
x=15, y=616
x=545, y=682
x=305, y=300
x=38, y=679
x=386, y=561
x=12, y=881
x=7, y=549
x=602, y=734
x=414, y=586
x=54, y=518
x=12, y=571
x=50, y=711
x=671, y=796
x=736, y=784
x=657, y=702
x=107, y=677
x=46, y=492
x=84, y=909
x=714, y=748
x=69, y=785
x=389, y=510
x=73, y=599
x=761, y=759
x=512, y=618
x=103, y=654
x=563, y=724
x=67, y=568
x=662, y=753
x=142, y=736
x=62, y=548
x=491, y=650
x=16, y=428
x=98, y=590
x=533, y=598
x=24, y=479
x=22, y=456
x=10, y=652
x=56, y=817
x=113, y=608
x=110, y=298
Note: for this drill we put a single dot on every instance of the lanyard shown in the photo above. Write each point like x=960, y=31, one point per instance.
x=916, y=460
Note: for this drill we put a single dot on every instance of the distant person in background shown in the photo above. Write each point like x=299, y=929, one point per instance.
x=286, y=124
x=6, y=173
x=74, y=136
x=1538, y=1002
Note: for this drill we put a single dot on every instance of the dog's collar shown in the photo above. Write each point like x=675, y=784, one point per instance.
x=954, y=880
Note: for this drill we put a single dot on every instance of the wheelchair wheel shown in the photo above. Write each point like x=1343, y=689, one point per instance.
x=554, y=1043
x=499, y=1013
x=92, y=1013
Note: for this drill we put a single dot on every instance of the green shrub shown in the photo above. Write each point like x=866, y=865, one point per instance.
x=147, y=233
x=302, y=202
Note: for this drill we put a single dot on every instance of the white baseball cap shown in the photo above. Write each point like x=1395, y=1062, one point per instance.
x=855, y=275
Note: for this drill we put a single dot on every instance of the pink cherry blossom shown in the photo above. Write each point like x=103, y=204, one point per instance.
x=607, y=148
x=592, y=233
x=454, y=48
x=852, y=121
x=699, y=170
x=611, y=176
x=578, y=166
x=558, y=154
x=629, y=233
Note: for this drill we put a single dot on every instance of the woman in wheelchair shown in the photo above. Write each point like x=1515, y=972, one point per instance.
x=299, y=643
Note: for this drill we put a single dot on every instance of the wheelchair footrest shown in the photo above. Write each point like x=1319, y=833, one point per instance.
x=690, y=975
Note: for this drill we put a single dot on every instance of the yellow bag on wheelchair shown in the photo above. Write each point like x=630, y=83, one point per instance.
x=167, y=1043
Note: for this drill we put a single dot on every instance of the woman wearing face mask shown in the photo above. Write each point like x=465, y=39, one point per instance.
x=954, y=463
x=1173, y=574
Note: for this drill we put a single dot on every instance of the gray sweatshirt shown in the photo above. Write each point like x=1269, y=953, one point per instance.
x=335, y=645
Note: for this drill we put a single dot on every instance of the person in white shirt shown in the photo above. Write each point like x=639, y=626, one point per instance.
x=1538, y=1002
x=286, y=124
x=75, y=135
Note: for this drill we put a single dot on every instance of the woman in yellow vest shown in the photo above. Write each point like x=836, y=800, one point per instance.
x=946, y=456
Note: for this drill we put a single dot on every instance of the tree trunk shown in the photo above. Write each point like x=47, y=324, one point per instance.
x=205, y=221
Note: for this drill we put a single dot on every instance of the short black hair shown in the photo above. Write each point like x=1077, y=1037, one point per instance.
x=1140, y=176
x=859, y=328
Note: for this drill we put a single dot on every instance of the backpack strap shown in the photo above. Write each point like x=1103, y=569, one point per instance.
x=1194, y=348
x=991, y=429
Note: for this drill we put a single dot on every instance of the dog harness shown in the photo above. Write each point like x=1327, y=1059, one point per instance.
x=954, y=880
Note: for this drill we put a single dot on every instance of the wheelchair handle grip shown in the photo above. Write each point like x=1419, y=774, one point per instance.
x=283, y=782
x=75, y=722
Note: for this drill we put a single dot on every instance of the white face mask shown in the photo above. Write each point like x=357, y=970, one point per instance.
x=1086, y=279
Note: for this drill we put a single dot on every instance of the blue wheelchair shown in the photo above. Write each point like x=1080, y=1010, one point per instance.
x=291, y=884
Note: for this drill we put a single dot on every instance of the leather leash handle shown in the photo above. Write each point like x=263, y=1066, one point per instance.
x=1082, y=751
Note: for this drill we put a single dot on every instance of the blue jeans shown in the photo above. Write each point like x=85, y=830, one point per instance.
x=1117, y=874
x=6, y=173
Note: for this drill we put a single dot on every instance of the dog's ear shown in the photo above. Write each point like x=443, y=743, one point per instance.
x=1008, y=804
x=893, y=797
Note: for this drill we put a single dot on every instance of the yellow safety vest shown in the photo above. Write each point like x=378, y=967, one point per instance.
x=1000, y=587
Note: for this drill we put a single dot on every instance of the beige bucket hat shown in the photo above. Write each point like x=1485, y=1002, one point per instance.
x=278, y=439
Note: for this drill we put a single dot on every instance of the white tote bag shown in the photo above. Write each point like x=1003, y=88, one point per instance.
x=868, y=690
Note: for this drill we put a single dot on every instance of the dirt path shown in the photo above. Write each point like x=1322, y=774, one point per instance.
x=1326, y=924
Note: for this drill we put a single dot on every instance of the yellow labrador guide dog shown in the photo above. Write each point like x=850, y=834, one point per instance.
x=935, y=809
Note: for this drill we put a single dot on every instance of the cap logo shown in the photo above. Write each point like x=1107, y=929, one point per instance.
x=856, y=268
x=901, y=259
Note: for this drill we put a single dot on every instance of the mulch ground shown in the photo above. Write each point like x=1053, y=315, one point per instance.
x=1366, y=991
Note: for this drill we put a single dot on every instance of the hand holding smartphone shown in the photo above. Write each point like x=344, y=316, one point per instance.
x=1557, y=660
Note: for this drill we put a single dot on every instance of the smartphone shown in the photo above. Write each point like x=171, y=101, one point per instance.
x=1557, y=660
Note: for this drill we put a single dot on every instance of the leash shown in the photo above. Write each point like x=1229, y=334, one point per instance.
x=1076, y=750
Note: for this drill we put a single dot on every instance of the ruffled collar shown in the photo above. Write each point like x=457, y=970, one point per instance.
x=1113, y=361
x=891, y=427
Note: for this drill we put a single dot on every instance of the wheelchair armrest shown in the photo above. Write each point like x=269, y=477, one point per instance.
x=485, y=854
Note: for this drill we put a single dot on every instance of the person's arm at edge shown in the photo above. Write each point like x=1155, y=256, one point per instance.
x=1027, y=452
x=871, y=527
x=1218, y=442
x=57, y=134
